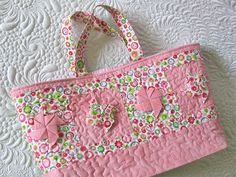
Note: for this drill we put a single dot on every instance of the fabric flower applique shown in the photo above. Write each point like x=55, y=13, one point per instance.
x=148, y=100
x=101, y=115
x=46, y=127
x=197, y=86
x=97, y=109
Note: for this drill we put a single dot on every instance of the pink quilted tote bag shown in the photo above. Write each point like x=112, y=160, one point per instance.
x=139, y=119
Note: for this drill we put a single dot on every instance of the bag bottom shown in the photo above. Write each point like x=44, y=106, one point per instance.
x=153, y=157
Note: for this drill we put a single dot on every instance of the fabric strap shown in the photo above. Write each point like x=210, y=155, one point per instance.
x=69, y=42
x=126, y=33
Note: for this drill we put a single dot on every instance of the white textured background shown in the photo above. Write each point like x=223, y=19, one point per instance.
x=31, y=51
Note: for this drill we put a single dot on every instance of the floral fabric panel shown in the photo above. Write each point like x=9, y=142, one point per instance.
x=197, y=86
x=116, y=113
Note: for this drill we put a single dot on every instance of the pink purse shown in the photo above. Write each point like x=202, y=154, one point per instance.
x=139, y=119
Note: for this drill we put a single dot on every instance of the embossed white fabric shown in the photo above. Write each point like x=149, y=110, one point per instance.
x=31, y=51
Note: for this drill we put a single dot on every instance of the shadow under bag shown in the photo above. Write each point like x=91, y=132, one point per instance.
x=139, y=119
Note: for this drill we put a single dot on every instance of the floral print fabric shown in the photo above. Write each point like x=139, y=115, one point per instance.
x=197, y=86
x=101, y=115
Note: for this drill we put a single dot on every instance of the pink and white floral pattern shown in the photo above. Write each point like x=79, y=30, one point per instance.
x=197, y=86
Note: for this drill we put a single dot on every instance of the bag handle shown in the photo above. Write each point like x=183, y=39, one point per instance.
x=69, y=42
x=128, y=36
x=126, y=33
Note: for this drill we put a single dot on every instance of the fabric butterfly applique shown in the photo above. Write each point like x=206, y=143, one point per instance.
x=101, y=115
x=148, y=99
x=46, y=127
x=197, y=86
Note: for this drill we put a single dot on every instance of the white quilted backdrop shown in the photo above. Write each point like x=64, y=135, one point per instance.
x=31, y=51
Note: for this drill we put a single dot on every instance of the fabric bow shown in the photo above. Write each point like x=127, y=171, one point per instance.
x=148, y=99
x=101, y=115
x=45, y=127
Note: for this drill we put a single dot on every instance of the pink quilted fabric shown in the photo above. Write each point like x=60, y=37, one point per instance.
x=153, y=157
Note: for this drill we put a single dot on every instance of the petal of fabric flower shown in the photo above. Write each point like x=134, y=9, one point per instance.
x=143, y=101
x=38, y=134
x=155, y=101
x=49, y=118
x=53, y=122
x=52, y=134
x=148, y=99
x=39, y=121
